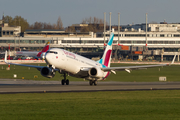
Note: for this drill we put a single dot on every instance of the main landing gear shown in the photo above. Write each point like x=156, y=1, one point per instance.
x=91, y=82
x=64, y=81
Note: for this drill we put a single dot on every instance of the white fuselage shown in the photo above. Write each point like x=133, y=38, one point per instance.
x=70, y=62
x=27, y=53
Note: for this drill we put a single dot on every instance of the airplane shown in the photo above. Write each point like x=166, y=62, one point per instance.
x=36, y=54
x=68, y=63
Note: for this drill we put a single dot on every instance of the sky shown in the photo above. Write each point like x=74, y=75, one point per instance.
x=74, y=11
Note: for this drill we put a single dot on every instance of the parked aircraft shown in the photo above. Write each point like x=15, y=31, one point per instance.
x=66, y=62
x=36, y=54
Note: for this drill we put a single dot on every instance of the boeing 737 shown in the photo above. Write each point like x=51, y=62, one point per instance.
x=65, y=62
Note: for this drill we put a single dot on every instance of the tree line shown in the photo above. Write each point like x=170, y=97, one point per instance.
x=41, y=25
x=94, y=24
x=17, y=21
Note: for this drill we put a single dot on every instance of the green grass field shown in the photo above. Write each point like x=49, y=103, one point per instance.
x=126, y=105
x=129, y=105
x=147, y=75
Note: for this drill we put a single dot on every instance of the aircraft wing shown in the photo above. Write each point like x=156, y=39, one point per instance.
x=25, y=65
x=131, y=67
x=5, y=60
x=128, y=68
x=38, y=67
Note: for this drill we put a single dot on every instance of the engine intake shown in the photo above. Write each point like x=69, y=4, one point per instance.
x=47, y=72
x=95, y=72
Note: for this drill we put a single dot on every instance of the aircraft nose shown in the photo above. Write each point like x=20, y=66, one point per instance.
x=47, y=57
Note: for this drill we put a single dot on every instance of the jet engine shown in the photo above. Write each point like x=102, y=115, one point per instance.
x=95, y=72
x=47, y=72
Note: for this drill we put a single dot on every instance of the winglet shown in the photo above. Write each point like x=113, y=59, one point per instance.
x=5, y=57
x=173, y=59
x=47, y=43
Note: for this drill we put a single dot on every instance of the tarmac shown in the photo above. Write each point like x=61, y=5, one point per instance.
x=10, y=86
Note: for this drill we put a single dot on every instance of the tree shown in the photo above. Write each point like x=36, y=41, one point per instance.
x=17, y=21
x=85, y=29
x=9, y=20
x=59, y=24
x=37, y=25
x=94, y=24
x=71, y=29
x=40, y=25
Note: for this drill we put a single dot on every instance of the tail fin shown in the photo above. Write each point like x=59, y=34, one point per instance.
x=106, y=58
x=45, y=49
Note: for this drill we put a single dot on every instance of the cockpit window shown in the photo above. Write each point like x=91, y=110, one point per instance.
x=52, y=52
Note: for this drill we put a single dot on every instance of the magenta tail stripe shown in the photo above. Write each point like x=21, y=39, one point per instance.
x=107, y=58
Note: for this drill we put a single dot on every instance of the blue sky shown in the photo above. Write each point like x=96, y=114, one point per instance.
x=74, y=11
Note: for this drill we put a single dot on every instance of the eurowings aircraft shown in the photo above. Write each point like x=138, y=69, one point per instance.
x=36, y=54
x=66, y=62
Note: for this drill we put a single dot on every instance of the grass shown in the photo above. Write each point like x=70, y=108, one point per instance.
x=146, y=75
x=136, y=105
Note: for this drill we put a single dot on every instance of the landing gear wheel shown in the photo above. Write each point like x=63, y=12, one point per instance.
x=67, y=82
x=91, y=82
x=95, y=82
x=62, y=82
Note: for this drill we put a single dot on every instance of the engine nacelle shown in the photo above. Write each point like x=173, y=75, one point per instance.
x=96, y=72
x=47, y=72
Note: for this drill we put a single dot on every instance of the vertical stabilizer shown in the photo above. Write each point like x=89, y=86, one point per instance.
x=45, y=49
x=106, y=58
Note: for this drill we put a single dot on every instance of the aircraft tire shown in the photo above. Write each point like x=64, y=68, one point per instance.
x=95, y=82
x=62, y=82
x=91, y=82
x=67, y=82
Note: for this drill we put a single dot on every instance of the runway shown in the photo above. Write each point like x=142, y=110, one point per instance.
x=30, y=86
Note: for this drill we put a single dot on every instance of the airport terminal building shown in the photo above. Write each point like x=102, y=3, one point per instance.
x=161, y=41
x=9, y=31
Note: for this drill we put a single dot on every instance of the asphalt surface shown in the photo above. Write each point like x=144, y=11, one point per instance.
x=30, y=86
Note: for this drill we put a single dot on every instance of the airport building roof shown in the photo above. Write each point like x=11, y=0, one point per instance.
x=44, y=31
